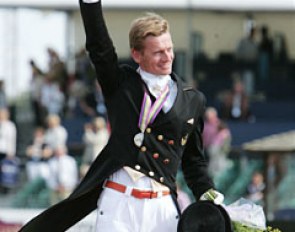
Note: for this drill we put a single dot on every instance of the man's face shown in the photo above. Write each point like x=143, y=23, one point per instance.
x=157, y=55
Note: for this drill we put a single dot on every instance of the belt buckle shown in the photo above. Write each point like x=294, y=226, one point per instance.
x=128, y=191
x=159, y=194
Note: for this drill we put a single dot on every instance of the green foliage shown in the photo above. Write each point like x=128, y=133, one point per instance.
x=239, y=227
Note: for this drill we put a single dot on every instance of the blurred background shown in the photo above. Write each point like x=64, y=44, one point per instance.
x=241, y=55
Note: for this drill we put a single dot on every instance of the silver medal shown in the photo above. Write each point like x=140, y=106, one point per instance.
x=138, y=139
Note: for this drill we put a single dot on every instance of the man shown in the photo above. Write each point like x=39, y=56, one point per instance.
x=63, y=174
x=8, y=135
x=156, y=125
x=55, y=134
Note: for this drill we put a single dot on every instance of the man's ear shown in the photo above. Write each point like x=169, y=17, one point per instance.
x=135, y=55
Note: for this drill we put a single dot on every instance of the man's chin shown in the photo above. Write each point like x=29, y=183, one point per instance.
x=166, y=72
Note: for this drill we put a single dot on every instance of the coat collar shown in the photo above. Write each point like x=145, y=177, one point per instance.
x=179, y=105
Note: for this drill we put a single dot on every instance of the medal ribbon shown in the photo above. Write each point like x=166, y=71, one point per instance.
x=149, y=111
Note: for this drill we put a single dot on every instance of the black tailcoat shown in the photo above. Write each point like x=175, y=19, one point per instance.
x=175, y=135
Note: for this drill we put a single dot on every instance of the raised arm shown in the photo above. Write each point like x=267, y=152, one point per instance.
x=100, y=46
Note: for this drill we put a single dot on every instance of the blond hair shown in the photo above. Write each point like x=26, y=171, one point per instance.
x=150, y=24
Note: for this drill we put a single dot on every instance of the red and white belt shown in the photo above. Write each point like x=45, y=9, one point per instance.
x=140, y=194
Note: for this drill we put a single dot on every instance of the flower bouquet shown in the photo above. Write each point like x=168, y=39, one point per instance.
x=246, y=216
x=239, y=227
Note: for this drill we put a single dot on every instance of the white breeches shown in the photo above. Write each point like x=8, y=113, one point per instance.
x=118, y=212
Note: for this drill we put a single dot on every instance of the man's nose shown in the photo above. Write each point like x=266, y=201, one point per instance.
x=167, y=56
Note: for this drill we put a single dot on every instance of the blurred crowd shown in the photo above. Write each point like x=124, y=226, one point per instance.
x=55, y=95
x=67, y=95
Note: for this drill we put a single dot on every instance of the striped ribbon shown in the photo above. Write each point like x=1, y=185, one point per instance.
x=149, y=111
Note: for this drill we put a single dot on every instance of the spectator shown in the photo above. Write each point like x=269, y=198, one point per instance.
x=265, y=53
x=219, y=149
x=57, y=72
x=37, y=82
x=76, y=93
x=34, y=153
x=3, y=99
x=52, y=98
x=100, y=104
x=217, y=141
x=235, y=103
x=92, y=103
x=280, y=48
x=86, y=101
x=247, y=55
x=63, y=174
x=247, y=49
x=55, y=134
x=9, y=173
x=84, y=69
x=95, y=137
x=255, y=188
x=8, y=134
x=210, y=128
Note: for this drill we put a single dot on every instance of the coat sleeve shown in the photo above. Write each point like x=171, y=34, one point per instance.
x=100, y=47
x=194, y=164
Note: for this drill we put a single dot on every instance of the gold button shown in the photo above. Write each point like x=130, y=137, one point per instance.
x=160, y=137
x=148, y=130
x=171, y=142
x=137, y=167
x=166, y=161
x=151, y=173
x=156, y=155
x=161, y=179
x=143, y=148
